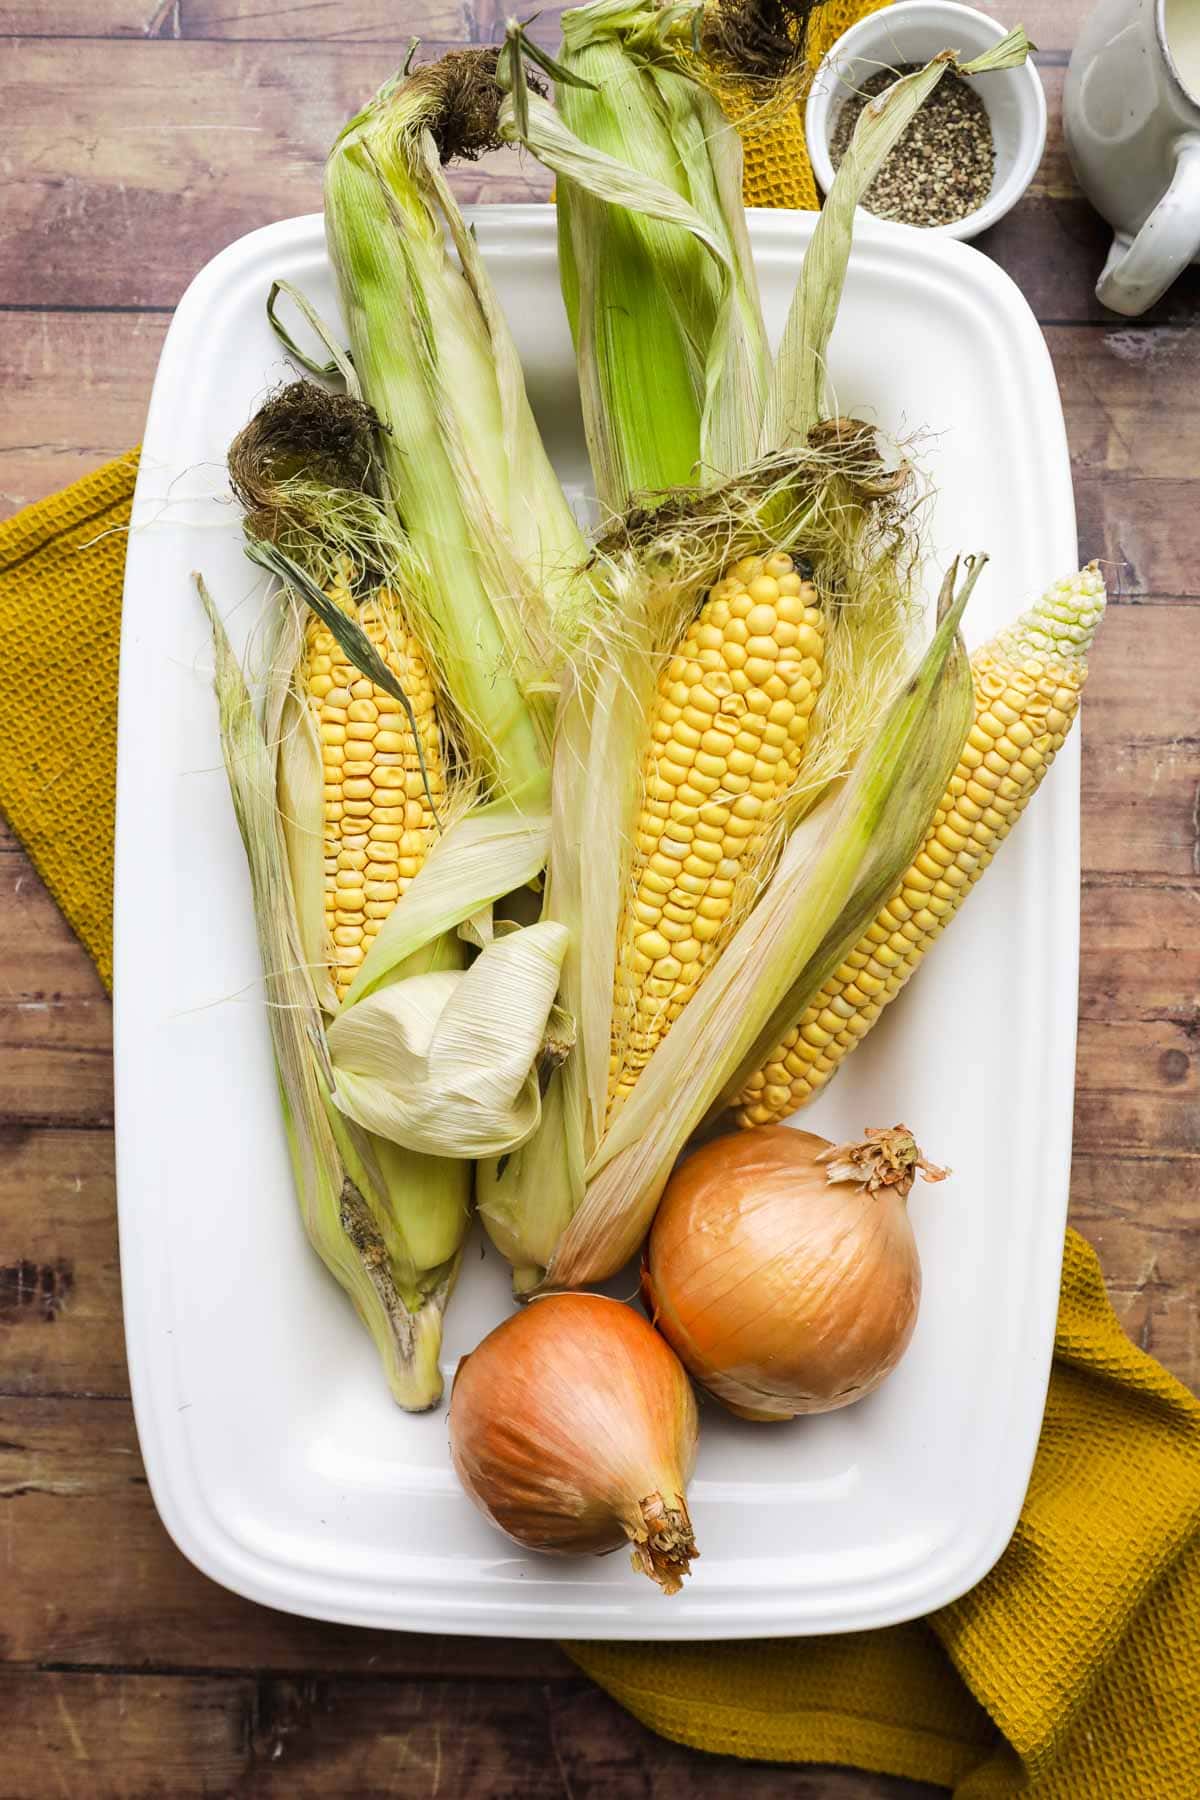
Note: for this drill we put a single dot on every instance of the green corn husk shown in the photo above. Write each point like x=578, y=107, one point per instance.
x=797, y=395
x=656, y=270
x=574, y=1200
x=655, y=263
x=464, y=464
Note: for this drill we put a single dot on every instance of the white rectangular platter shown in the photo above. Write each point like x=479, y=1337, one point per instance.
x=276, y=1459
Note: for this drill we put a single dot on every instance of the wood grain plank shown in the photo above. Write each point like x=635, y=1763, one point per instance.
x=1138, y=1076
x=178, y=146
x=174, y=150
x=76, y=390
x=1140, y=1214
x=1140, y=820
x=60, y=1286
x=100, y=1737
x=55, y=1018
x=1131, y=398
x=1147, y=531
x=1141, y=761
x=81, y=1736
x=85, y=18
x=307, y=22
x=1050, y=23
x=78, y=384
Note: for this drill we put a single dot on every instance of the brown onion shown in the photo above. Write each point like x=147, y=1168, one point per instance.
x=783, y=1269
x=573, y=1428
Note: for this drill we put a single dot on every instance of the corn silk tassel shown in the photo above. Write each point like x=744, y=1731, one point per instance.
x=775, y=728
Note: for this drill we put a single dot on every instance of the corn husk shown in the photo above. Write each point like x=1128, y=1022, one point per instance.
x=798, y=385
x=655, y=262
x=446, y=1062
x=464, y=465
x=654, y=254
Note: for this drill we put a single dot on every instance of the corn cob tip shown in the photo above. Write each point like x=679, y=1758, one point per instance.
x=1062, y=624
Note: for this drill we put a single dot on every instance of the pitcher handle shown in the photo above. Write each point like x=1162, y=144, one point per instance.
x=1139, y=273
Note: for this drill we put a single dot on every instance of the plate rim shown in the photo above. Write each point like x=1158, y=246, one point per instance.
x=177, y=1491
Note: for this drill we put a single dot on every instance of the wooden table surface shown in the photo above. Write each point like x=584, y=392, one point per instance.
x=138, y=139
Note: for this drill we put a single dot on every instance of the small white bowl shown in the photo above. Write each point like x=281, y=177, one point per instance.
x=913, y=31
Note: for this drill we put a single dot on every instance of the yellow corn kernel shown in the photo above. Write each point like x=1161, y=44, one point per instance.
x=378, y=821
x=726, y=738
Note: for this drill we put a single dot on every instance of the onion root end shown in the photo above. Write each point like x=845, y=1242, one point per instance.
x=883, y=1157
x=664, y=1544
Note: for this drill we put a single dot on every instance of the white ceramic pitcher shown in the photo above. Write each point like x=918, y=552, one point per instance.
x=1131, y=111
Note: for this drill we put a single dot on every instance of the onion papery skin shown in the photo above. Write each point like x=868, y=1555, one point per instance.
x=573, y=1428
x=781, y=1291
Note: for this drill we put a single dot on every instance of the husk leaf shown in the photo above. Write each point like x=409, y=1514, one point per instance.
x=446, y=1063
x=490, y=851
x=797, y=392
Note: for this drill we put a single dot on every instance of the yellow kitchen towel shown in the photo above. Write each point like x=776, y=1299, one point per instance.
x=62, y=563
x=777, y=170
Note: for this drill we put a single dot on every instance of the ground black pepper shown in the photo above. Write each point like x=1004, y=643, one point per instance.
x=941, y=169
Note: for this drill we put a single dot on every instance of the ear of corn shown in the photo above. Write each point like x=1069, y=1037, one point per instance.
x=732, y=712
x=380, y=799
x=586, y=1185
x=369, y=1220
x=728, y=730
x=1028, y=681
x=368, y=849
x=711, y=834
x=424, y=1052
x=836, y=868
